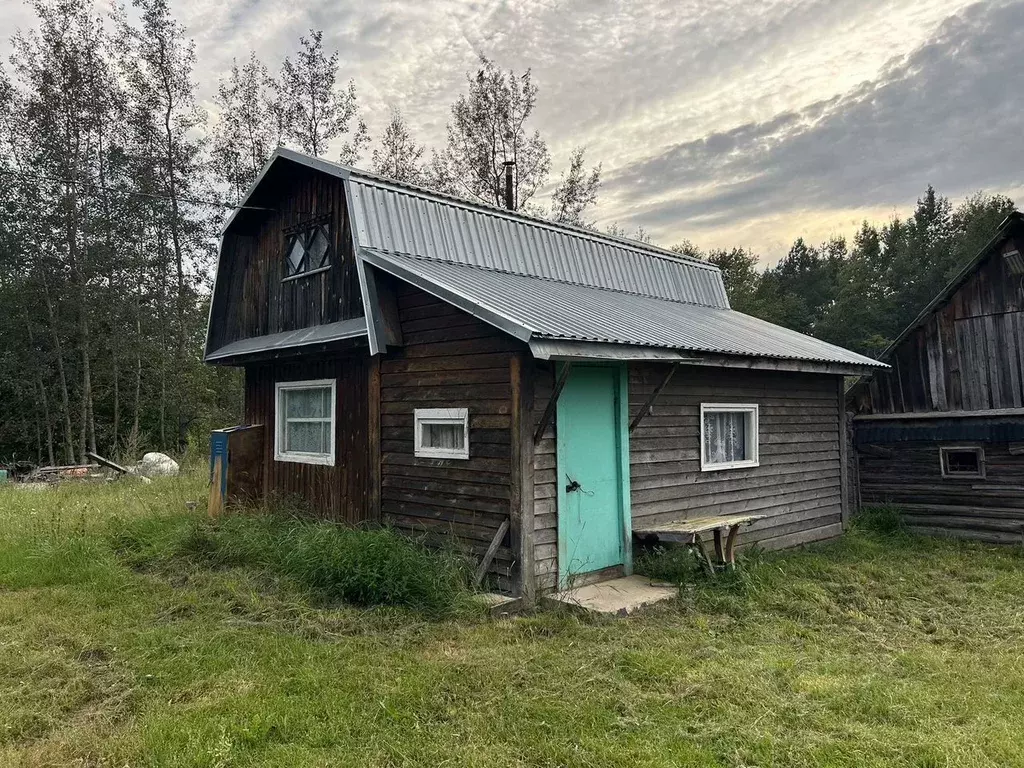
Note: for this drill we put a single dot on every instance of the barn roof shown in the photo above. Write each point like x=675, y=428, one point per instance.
x=1005, y=229
x=538, y=279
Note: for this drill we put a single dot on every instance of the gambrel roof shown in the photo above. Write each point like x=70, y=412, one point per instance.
x=541, y=280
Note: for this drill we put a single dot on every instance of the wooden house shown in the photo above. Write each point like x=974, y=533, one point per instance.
x=466, y=373
x=941, y=432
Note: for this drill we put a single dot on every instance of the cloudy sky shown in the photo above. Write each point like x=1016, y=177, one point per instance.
x=726, y=123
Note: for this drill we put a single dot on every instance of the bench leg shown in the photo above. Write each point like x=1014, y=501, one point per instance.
x=730, y=547
x=698, y=544
x=719, y=550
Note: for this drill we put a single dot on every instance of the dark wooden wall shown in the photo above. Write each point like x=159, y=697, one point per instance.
x=797, y=484
x=251, y=297
x=908, y=474
x=337, y=493
x=968, y=356
x=449, y=360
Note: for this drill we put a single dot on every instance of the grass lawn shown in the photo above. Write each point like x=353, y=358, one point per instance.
x=868, y=652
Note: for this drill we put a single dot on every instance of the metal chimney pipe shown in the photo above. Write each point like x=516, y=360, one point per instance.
x=510, y=190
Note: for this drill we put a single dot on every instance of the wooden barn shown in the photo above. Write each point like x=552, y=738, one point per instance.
x=941, y=432
x=534, y=391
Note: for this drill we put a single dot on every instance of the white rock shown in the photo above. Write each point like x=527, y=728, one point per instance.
x=157, y=465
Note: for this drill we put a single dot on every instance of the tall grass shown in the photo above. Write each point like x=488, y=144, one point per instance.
x=332, y=563
x=83, y=532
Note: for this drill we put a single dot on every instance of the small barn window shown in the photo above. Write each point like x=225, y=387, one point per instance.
x=442, y=433
x=962, y=461
x=728, y=436
x=305, y=422
x=307, y=250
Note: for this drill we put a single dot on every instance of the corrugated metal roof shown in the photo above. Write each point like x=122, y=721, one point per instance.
x=403, y=219
x=317, y=334
x=530, y=306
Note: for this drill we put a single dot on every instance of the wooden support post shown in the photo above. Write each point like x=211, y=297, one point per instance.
x=646, y=407
x=521, y=474
x=698, y=544
x=719, y=547
x=730, y=546
x=844, y=458
x=216, y=504
x=481, y=570
x=549, y=411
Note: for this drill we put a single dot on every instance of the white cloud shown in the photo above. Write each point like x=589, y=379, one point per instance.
x=728, y=123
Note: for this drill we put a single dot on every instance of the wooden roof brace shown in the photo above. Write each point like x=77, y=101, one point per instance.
x=549, y=411
x=649, y=403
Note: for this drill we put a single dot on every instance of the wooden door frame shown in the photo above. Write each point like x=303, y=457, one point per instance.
x=622, y=449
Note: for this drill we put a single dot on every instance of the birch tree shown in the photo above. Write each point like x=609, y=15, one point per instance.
x=314, y=108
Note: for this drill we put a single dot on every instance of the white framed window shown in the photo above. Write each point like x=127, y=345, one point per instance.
x=728, y=436
x=304, y=431
x=442, y=433
x=962, y=460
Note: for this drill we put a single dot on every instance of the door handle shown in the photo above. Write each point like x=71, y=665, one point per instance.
x=572, y=485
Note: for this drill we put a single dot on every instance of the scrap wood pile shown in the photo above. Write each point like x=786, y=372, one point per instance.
x=99, y=469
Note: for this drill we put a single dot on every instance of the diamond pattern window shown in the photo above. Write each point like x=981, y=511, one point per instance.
x=308, y=250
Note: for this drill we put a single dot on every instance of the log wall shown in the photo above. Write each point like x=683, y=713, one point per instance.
x=909, y=475
x=449, y=359
x=798, y=482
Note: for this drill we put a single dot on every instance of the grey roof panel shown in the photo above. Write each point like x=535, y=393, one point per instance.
x=553, y=309
x=402, y=219
x=275, y=342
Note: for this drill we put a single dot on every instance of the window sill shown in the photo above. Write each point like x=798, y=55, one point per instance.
x=305, y=458
x=731, y=465
x=310, y=273
x=426, y=453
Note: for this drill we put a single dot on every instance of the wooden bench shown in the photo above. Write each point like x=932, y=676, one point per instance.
x=689, y=532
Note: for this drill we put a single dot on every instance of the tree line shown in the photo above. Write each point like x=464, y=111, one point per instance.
x=114, y=182
x=862, y=294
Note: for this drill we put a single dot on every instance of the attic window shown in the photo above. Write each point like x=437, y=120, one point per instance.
x=1014, y=262
x=307, y=250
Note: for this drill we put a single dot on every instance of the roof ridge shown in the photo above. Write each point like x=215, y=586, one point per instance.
x=376, y=179
x=481, y=267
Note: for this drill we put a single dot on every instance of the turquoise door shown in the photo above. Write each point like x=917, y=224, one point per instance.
x=593, y=475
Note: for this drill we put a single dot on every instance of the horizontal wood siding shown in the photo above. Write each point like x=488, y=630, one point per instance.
x=545, y=492
x=252, y=298
x=449, y=360
x=336, y=493
x=968, y=356
x=797, y=484
x=909, y=475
